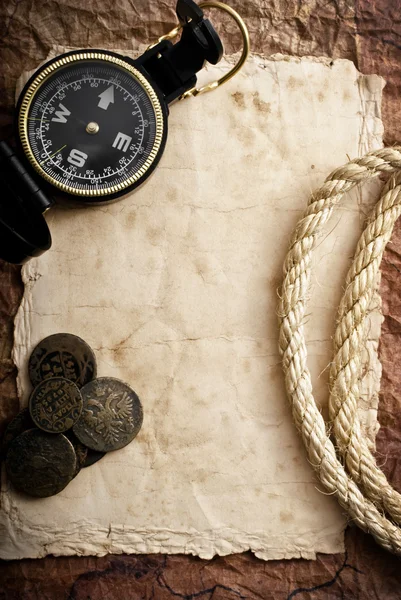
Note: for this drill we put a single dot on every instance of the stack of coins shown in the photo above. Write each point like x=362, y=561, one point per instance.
x=72, y=420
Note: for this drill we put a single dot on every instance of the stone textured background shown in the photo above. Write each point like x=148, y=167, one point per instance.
x=364, y=31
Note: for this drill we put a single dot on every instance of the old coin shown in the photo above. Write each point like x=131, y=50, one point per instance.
x=55, y=405
x=81, y=451
x=40, y=464
x=62, y=355
x=111, y=416
x=16, y=426
x=93, y=457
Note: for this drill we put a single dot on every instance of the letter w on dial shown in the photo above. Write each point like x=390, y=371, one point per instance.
x=61, y=114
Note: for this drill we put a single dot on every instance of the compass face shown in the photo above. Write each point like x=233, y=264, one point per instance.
x=92, y=125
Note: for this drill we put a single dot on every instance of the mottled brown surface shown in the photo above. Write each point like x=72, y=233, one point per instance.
x=364, y=572
x=369, y=34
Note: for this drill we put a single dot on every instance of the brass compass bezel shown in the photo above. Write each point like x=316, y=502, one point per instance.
x=33, y=89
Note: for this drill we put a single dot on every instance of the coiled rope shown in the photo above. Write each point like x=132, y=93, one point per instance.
x=345, y=466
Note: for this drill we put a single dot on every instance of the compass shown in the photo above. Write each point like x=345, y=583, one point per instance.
x=91, y=125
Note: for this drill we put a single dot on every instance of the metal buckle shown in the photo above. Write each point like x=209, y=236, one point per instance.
x=168, y=36
x=244, y=55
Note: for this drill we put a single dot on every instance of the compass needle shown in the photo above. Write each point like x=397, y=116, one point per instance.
x=54, y=154
x=106, y=98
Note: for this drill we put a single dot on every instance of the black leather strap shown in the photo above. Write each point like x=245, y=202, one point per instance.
x=23, y=230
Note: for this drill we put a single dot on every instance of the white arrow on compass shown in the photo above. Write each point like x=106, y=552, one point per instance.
x=106, y=98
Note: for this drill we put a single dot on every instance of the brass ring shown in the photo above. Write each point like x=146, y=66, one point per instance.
x=244, y=55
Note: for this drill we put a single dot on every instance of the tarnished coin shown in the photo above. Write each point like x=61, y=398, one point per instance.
x=111, y=416
x=62, y=355
x=55, y=405
x=81, y=451
x=40, y=464
x=18, y=425
x=93, y=457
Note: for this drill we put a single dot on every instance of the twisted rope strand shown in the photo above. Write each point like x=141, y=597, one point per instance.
x=350, y=336
x=364, y=504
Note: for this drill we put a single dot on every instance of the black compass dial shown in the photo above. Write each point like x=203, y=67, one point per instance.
x=92, y=127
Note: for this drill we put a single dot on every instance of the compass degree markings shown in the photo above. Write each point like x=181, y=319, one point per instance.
x=127, y=96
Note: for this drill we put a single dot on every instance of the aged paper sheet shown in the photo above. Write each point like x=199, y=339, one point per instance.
x=175, y=288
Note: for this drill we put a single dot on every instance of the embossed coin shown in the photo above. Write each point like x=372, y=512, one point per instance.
x=55, y=405
x=81, y=451
x=40, y=464
x=93, y=457
x=18, y=425
x=62, y=355
x=111, y=416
